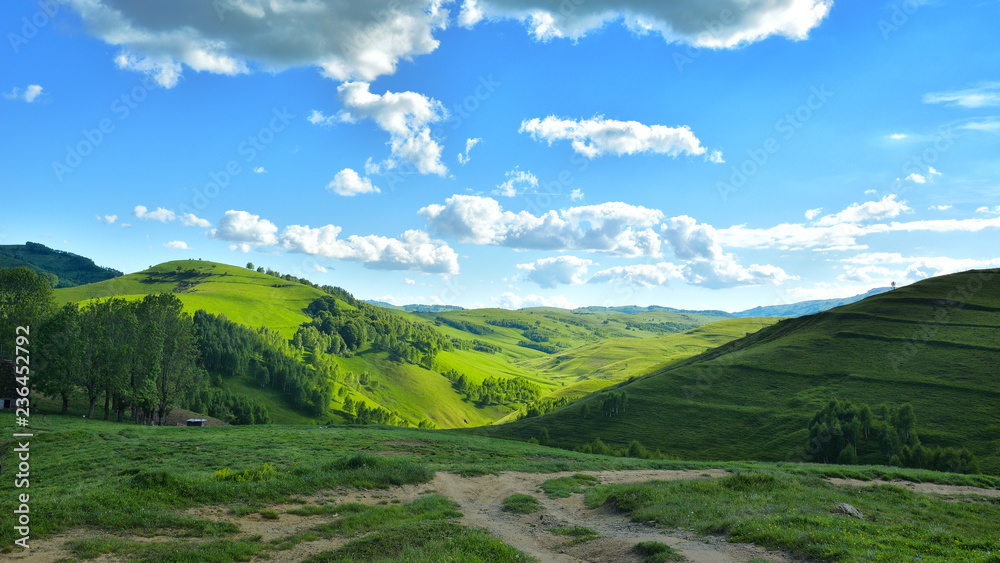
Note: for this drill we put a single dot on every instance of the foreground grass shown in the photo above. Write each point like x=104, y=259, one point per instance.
x=563, y=487
x=521, y=504
x=796, y=514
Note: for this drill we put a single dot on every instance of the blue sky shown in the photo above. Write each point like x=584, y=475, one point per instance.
x=713, y=154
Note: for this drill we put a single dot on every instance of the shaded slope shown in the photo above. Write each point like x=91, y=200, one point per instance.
x=934, y=344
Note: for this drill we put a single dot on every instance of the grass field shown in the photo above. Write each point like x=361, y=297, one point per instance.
x=934, y=344
x=134, y=491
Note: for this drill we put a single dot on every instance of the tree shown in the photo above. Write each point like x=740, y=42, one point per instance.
x=249, y=265
x=25, y=299
x=60, y=355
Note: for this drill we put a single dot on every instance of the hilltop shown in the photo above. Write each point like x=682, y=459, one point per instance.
x=934, y=344
x=61, y=268
x=806, y=307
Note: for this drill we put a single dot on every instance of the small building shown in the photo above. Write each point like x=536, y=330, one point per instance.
x=196, y=421
x=8, y=390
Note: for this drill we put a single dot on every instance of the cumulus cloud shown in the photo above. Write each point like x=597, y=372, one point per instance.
x=886, y=267
x=646, y=275
x=358, y=40
x=886, y=208
x=813, y=213
x=510, y=300
x=192, y=220
x=347, y=182
x=162, y=215
x=916, y=178
x=243, y=227
x=897, y=136
x=599, y=136
x=409, y=281
x=576, y=194
x=716, y=157
x=107, y=219
x=550, y=272
x=613, y=228
x=517, y=182
x=726, y=272
x=986, y=209
x=29, y=94
x=176, y=245
x=405, y=116
x=691, y=240
x=413, y=250
x=712, y=23
x=988, y=94
x=241, y=247
x=259, y=170
x=463, y=159
x=939, y=207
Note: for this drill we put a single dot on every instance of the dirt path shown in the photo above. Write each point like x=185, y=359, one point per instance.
x=480, y=500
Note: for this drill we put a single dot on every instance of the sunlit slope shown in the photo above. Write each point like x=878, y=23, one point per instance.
x=934, y=344
x=244, y=296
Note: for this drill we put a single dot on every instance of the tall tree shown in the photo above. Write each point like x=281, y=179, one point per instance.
x=25, y=299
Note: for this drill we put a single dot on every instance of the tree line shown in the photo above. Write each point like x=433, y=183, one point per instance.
x=493, y=390
x=843, y=433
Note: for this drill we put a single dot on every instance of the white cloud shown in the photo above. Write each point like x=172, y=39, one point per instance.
x=886, y=267
x=241, y=247
x=517, y=181
x=691, y=240
x=985, y=209
x=126, y=225
x=409, y=281
x=348, y=183
x=916, y=178
x=259, y=170
x=888, y=207
x=553, y=271
x=599, y=136
x=987, y=94
x=405, y=116
x=29, y=95
x=703, y=23
x=988, y=125
x=192, y=220
x=463, y=159
x=576, y=195
x=646, y=275
x=510, y=300
x=939, y=207
x=897, y=136
x=176, y=245
x=871, y=191
x=716, y=157
x=614, y=228
x=414, y=250
x=319, y=118
x=162, y=215
x=358, y=40
x=242, y=227
x=107, y=219
x=813, y=213
x=932, y=171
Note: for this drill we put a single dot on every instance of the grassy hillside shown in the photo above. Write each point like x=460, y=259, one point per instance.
x=806, y=307
x=934, y=344
x=245, y=296
x=62, y=269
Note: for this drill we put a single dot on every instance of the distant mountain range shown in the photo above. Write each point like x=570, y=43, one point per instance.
x=806, y=307
x=416, y=308
x=63, y=269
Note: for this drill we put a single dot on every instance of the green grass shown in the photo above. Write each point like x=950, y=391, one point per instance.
x=244, y=296
x=754, y=397
x=796, y=514
x=563, y=487
x=521, y=504
x=656, y=552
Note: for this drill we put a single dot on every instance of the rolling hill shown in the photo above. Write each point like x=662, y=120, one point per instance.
x=934, y=344
x=806, y=307
x=565, y=353
x=61, y=268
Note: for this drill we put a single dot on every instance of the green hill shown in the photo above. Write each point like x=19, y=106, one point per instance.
x=61, y=268
x=934, y=344
x=806, y=307
x=244, y=296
